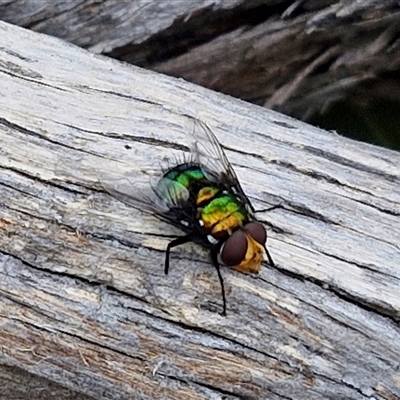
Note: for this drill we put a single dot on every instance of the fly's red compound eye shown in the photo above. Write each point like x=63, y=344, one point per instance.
x=257, y=232
x=235, y=248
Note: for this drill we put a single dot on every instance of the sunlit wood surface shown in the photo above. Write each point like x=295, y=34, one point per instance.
x=84, y=302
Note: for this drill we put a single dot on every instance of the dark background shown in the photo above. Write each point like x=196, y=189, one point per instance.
x=332, y=63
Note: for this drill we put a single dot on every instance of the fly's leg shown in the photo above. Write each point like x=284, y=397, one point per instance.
x=214, y=259
x=270, y=261
x=268, y=209
x=176, y=242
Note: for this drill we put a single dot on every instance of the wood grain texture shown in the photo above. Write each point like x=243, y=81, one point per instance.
x=108, y=25
x=313, y=54
x=84, y=302
x=297, y=57
x=17, y=384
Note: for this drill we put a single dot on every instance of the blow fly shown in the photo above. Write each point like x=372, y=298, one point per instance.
x=203, y=197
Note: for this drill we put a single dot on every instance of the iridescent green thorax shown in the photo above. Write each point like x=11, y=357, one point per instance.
x=186, y=175
x=181, y=183
x=218, y=210
x=226, y=204
x=223, y=213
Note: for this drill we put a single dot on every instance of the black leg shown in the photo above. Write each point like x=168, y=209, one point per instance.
x=214, y=259
x=176, y=242
x=270, y=261
x=269, y=209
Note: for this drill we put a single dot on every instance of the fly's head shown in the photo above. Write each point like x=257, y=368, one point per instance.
x=244, y=249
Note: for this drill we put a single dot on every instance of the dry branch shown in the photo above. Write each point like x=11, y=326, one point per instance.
x=294, y=56
x=84, y=302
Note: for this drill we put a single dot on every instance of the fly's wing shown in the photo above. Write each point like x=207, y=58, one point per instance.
x=162, y=197
x=209, y=154
x=166, y=198
x=125, y=190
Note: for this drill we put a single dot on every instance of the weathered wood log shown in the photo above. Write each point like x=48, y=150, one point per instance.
x=296, y=57
x=19, y=384
x=84, y=302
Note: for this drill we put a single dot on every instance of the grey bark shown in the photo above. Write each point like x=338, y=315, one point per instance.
x=297, y=57
x=84, y=302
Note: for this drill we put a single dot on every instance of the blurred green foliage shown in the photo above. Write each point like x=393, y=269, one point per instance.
x=366, y=117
